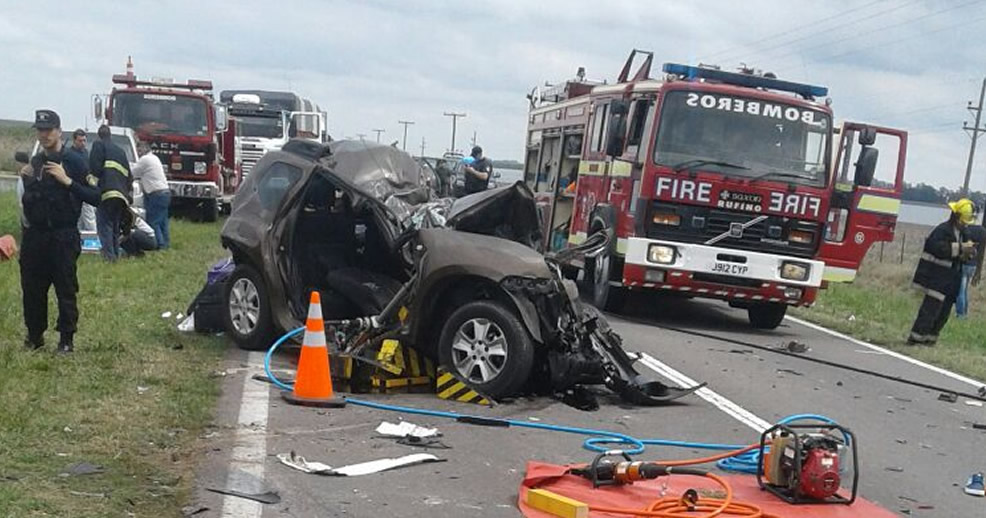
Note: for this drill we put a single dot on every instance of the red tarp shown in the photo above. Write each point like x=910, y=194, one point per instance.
x=637, y=496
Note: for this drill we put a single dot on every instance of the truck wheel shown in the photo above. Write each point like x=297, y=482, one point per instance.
x=247, y=317
x=210, y=211
x=599, y=273
x=487, y=345
x=766, y=315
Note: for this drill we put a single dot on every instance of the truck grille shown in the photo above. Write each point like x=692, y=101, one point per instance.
x=700, y=224
x=249, y=158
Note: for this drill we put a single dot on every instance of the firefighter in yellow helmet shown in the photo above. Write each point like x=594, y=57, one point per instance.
x=939, y=272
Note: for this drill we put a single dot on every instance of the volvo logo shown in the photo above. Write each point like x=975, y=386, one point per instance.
x=736, y=230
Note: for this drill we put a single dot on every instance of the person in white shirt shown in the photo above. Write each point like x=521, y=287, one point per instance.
x=157, y=195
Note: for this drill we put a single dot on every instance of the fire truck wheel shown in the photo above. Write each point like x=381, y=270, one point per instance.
x=486, y=344
x=599, y=273
x=210, y=211
x=247, y=316
x=766, y=316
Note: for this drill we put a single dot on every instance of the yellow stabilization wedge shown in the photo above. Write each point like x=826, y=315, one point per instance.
x=450, y=387
x=556, y=505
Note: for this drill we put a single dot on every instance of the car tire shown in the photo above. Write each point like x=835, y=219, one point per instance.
x=497, y=363
x=210, y=211
x=766, y=315
x=246, y=315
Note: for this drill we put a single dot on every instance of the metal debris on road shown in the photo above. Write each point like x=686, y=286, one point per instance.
x=299, y=463
x=948, y=397
x=424, y=442
x=974, y=403
x=790, y=371
x=895, y=469
x=270, y=497
x=406, y=429
x=795, y=346
x=192, y=510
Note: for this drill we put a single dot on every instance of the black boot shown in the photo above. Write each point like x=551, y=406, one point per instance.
x=34, y=343
x=65, y=345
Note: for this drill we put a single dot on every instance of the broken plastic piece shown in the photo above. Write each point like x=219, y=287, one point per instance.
x=166, y=314
x=82, y=468
x=406, y=429
x=317, y=468
x=948, y=397
x=187, y=325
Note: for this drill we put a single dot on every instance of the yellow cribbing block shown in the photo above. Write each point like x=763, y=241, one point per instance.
x=556, y=505
x=449, y=387
x=391, y=356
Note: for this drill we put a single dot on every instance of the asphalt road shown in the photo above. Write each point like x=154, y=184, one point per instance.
x=915, y=451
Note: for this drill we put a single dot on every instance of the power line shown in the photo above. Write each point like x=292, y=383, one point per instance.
x=893, y=42
x=800, y=52
x=794, y=30
x=814, y=34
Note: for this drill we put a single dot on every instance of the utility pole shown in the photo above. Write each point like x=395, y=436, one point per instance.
x=405, y=124
x=974, y=133
x=379, y=131
x=455, y=117
x=422, y=147
x=473, y=138
x=362, y=136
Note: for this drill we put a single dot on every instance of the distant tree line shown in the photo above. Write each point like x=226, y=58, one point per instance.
x=925, y=193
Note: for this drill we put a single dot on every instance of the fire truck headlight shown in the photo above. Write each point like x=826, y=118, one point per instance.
x=661, y=254
x=795, y=271
x=800, y=236
x=666, y=218
x=200, y=167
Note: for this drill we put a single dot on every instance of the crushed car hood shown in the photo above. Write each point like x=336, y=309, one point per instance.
x=506, y=212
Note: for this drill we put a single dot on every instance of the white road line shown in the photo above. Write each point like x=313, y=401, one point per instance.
x=250, y=449
x=888, y=352
x=737, y=412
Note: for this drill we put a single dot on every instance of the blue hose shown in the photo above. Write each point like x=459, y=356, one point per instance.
x=744, y=463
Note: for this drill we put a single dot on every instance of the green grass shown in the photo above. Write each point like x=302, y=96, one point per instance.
x=884, y=305
x=13, y=139
x=62, y=410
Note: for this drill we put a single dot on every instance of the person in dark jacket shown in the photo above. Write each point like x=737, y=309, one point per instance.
x=55, y=185
x=87, y=221
x=110, y=164
x=939, y=272
x=971, y=269
x=478, y=172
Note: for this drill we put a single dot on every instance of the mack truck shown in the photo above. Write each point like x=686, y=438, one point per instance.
x=267, y=120
x=709, y=183
x=191, y=134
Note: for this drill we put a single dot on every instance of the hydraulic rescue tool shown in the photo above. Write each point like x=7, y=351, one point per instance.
x=807, y=463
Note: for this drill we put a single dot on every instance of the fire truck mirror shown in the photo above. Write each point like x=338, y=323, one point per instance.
x=866, y=166
x=97, y=107
x=867, y=136
x=222, y=118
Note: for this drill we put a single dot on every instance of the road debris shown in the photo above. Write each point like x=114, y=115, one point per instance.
x=187, y=325
x=299, y=463
x=948, y=397
x=82, y=468
x=192, y=510
x=166, y=314
x=142, y=390
x=269, y=497
x=796, y=347
x=406, y=429
x=432, y=443
x=895, y=469
x=790, y=371
x=969, y=402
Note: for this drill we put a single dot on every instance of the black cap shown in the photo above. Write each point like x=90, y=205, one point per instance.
x=46, y=119
x=476, y=150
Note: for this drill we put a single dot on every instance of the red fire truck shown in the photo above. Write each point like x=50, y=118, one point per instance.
x=191, y=135
x=728, y=185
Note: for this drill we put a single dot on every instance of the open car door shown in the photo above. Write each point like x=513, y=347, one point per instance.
x=869, y=178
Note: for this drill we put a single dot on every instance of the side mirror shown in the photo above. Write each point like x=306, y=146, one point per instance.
x=97, y=107
x=222, y=118
x=22, y=157
x=617, y=135
x=867, y=136
x=866, y=166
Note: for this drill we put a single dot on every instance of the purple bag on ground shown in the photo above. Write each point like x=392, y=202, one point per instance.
x=220, y=270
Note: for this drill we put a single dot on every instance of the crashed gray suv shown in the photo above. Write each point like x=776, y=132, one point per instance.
x=458, y=280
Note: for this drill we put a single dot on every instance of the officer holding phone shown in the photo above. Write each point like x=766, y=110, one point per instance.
x=55, y=185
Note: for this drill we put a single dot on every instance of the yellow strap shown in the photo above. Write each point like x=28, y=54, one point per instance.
x=113, y=164
x=113, y=194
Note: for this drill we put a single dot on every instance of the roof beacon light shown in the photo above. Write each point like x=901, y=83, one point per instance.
x=747, y=80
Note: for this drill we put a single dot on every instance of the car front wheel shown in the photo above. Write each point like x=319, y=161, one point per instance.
x=487, y=345
x=247, y=317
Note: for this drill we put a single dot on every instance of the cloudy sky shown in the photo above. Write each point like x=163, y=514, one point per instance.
x=911, y=64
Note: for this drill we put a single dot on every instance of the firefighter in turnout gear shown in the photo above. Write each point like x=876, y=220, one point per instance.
x=110, y=164
x=939, y=272
x=55, y=185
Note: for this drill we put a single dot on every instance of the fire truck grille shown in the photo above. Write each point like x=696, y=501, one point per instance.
x=701, y=224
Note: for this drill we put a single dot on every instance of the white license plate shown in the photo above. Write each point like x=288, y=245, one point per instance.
x=730, y=268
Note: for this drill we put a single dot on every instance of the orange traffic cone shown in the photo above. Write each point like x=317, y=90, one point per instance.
x=313, y=384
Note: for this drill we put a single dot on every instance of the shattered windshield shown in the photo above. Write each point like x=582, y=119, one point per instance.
x=743, y=137
x=262, y=127
x=161, y=113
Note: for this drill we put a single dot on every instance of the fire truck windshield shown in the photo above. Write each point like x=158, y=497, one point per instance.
x=161, y=113
x=262, y=127
x=741, y=136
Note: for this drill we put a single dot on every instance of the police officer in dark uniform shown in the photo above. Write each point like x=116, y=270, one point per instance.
x=55, y=185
